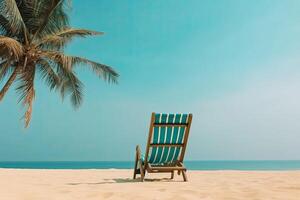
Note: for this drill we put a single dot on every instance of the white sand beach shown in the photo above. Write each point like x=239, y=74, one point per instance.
x=27, y=184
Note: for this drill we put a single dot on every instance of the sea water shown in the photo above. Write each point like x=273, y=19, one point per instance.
x=191, y=165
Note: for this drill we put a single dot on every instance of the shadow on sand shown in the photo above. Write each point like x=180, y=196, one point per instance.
x=123, y=180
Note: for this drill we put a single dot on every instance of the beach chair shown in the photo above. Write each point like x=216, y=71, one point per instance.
x=167, y=141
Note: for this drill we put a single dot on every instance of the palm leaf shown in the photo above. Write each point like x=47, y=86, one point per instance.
x=10, y=11
x=53, y=18
x=26, y=91
x=29, y=10
x=48, y=74
x=71, y=85
x=5, y=28
x=103, y=71
x=9, y=82
x=4, y=69
x=25, y=82
x=60, y=38
x=29, y=100
x=74, y=85
x=10, y=47
x=69, y=62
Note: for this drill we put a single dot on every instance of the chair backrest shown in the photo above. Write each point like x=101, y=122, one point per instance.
x=168, y=136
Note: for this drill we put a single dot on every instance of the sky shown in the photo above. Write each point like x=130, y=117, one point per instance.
x=234, y=64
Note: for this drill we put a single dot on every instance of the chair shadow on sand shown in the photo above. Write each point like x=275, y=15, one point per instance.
x=122, y=180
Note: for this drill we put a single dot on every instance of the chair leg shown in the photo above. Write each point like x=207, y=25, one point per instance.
x=135, y=167
x=142, y=171
x=172, y=174
x=184, y=175
x=178, y=172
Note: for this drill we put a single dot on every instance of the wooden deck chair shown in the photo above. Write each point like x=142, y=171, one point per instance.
x=167, y=141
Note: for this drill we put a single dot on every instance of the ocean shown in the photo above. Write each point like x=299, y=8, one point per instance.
x=191, y=165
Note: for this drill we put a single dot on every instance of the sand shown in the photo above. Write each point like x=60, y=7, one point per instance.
x=29, y=184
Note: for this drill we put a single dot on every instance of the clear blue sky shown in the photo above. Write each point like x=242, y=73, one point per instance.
x=234, y=64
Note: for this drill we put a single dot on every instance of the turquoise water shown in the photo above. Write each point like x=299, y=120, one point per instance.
x=191, y=165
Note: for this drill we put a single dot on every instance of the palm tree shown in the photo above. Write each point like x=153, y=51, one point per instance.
x=33, y=34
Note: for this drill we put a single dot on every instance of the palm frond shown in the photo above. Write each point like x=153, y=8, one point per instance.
x=75, y=86
x=29, y=10
x=26, y=91
x=5, y=28
x=69, y=62
x=48, y=74
x=62, y=60
x=103, y=71
x=53, y=17
x=11, y=12
x=28, y=102
x=61, y=38
x=71, y=85
x=10, y=48
x=9, y=82
x=4, y=69
x=25, y=82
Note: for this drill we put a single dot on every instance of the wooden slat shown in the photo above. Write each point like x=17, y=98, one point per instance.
x=166, y=145
x=169, y=125
x=167, y=168
x=164, y=171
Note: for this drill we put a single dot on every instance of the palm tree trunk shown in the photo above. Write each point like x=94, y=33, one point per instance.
x=8, y=83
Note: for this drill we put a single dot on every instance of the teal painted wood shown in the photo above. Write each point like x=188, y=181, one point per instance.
x=167, y=135
x=167, y=139
x=161, y=133
x=155, y=138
